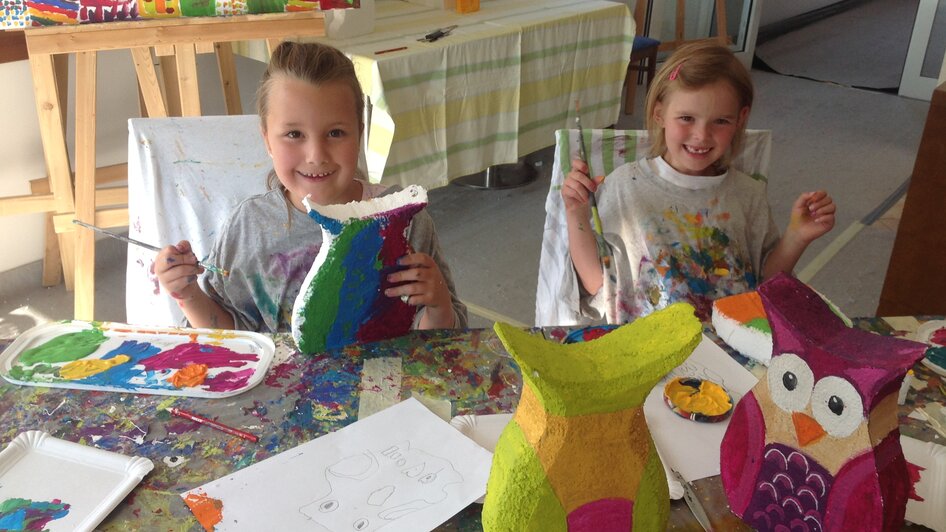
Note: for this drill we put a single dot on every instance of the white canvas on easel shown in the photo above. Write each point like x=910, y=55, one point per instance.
x=403, y=468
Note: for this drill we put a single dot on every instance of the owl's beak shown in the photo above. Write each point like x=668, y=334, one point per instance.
x=807, y=430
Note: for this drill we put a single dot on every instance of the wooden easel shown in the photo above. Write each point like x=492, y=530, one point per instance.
x=180, y=38
x=721, y=35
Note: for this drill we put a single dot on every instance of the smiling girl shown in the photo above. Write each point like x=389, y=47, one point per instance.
x=311, y=118
x=682, y=224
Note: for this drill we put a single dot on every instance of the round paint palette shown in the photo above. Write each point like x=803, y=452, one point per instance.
x=698, y=399
x=933, y=333
x=587, y=334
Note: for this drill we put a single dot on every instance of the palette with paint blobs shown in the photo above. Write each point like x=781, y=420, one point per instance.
x=108, y=356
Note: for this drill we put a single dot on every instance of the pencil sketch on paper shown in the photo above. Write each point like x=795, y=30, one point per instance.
x=371, y=490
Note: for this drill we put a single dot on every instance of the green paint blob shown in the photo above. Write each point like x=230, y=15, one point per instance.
x=22, y=374
x=937, y=355
x=65, y=348
x=760, y=324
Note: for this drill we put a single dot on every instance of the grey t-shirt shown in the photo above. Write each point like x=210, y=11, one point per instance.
x=269, y=248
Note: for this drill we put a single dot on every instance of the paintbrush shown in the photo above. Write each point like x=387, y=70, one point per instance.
x=603, y=252
x=211, y=267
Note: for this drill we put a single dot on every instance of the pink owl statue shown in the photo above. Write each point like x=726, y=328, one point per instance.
x=815, y=444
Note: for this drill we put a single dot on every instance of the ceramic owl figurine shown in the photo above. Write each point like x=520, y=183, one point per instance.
x=577, y=455
x=815, y=444
x=342, y=299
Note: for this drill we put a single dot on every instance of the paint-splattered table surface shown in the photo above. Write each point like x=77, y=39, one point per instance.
x=453, y=372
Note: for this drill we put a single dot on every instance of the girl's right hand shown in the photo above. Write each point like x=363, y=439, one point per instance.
x=177, y=270
x=577, y=187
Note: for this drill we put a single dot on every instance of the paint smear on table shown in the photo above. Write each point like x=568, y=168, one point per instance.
x=24, y=514
x=207, y=510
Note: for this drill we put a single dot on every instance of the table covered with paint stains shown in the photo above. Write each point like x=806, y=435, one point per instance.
x=301, y=398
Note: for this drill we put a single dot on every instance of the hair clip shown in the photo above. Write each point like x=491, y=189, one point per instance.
x=676, y=71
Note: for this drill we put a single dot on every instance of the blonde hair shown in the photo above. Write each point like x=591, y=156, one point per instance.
x=315, y=63
x=694, y=66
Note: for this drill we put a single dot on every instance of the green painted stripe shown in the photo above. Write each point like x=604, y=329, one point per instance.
x=414, y=79
x=559, y=118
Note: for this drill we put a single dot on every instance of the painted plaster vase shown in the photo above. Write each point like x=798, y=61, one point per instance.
x=577, y=455
x=342, y=299
x=815, y=445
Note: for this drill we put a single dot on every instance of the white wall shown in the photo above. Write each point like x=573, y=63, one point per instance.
x=21, y=151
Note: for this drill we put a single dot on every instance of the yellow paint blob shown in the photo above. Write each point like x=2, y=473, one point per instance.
x=709, y=399
x=189, y=376
x=81, y=369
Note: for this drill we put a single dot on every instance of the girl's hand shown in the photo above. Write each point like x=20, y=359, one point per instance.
x=577, y=187
x=177, y=270
x=423, y=284
x=812, y=216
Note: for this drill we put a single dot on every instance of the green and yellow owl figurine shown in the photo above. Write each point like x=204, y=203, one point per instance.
x=577, y=455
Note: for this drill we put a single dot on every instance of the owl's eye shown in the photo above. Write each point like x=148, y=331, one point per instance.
x=837, y=406
x=790, y=381
x=328, y=506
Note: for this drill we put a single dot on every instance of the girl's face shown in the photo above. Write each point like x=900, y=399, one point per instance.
x=313, y=135
x=699, y=126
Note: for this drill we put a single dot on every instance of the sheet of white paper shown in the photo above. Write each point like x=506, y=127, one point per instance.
x=691, y=447
x=402, y=469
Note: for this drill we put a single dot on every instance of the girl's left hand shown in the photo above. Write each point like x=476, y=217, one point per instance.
x=423, y=284
x=812, y=215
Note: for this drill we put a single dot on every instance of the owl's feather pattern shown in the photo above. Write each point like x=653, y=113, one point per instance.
x=790, y=489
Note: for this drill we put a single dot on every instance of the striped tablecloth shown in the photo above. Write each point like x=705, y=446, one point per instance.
x=493, y=90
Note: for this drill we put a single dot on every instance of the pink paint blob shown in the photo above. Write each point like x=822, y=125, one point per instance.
x=939, y=336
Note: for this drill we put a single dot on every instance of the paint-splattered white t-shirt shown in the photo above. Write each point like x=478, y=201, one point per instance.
x=675, y=238
x=269, y=248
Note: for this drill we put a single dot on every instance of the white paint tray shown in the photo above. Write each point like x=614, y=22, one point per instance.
x=235, y=360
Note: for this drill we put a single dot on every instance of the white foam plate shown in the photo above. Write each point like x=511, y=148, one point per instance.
x=162, y=339
x=42, y=469
x=923, y=334
x=484, y=430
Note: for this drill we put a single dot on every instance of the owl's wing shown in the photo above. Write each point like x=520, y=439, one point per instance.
x=518, y=493
x=870, y=491
x=741, y=453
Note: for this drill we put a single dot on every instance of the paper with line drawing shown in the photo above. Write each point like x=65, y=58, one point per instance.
x=401, y=469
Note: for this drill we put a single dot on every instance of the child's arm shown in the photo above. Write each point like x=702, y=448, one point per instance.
x=582, y=246
x=424, y=285
x=177, y=271
x=812, y=217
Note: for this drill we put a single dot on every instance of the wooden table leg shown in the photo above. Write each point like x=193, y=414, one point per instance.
x=228, y=78
x=85, y=184
x=148, y=85
x=187, y=79
x=52, y=132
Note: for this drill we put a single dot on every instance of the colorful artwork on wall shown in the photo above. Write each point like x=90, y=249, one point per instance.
x=13, y=14
x=18, y=14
